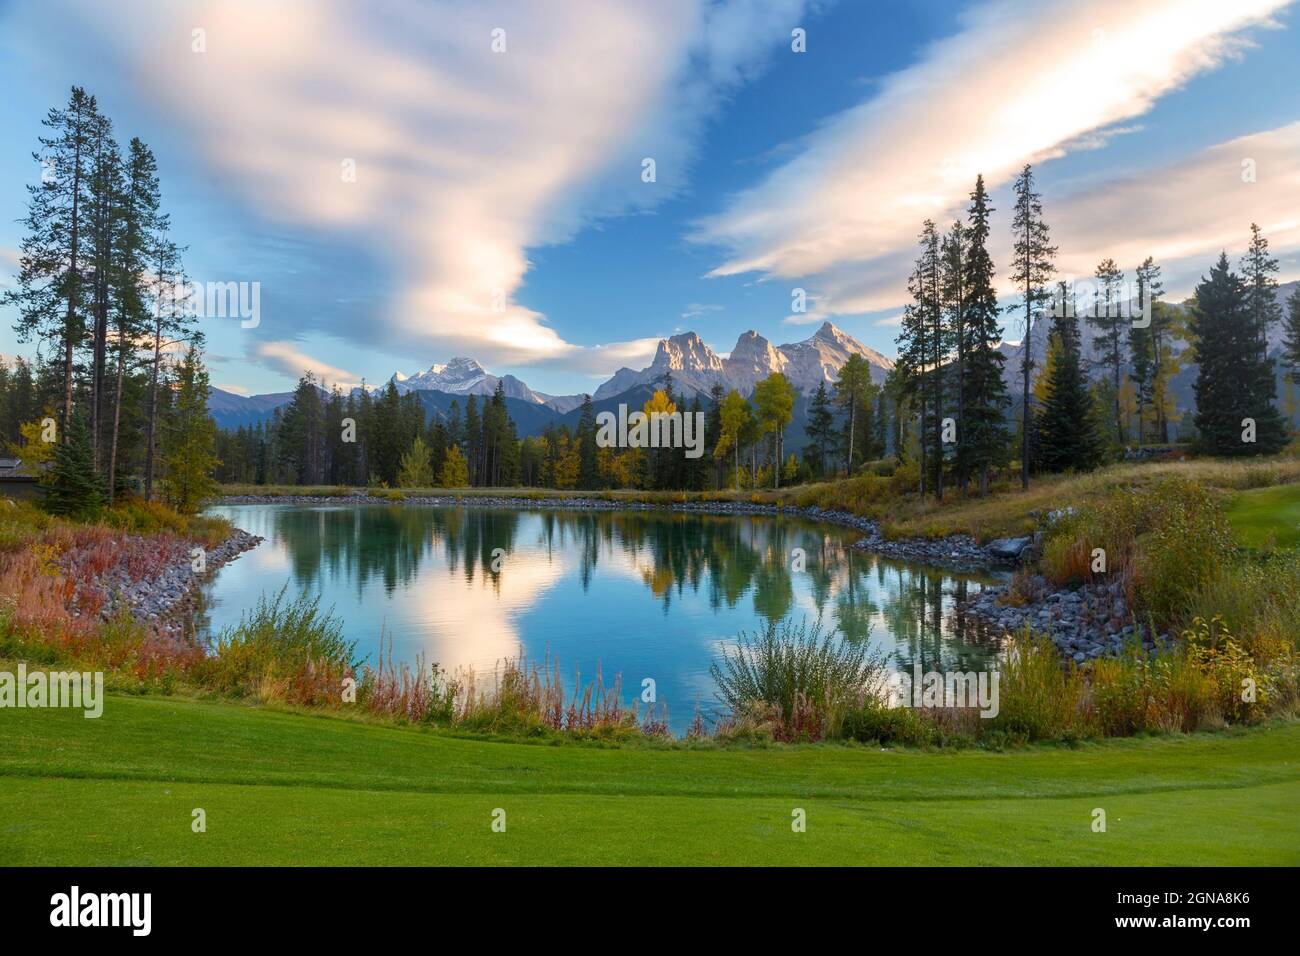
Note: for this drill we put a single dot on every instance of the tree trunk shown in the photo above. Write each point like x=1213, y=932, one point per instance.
x=117, y=420
x=149, y=453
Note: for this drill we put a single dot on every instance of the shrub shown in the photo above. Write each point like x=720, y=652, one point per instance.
x=808, y=679
x=281, y=648
x=1039, y=699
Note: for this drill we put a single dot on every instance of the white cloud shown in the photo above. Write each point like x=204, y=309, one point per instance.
x=287, y=359
x=1017, y=84
x=1184, y=213
x=464, y=158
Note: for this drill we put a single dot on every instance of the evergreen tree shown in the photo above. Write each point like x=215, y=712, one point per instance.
x=416, y=470
x=1291, y=340
x=1229, y=388
x=189, y=445
x=1144, y=342
x=820, y=430
x=1032, y=268
x=984, y=397
x=1106, y=312
x=1067, y=440
x=588, y=470
x=72, y=488
x=140, y=226
x=53, y=256
x=1258, y=271
x=850, y=386
x=953, y=253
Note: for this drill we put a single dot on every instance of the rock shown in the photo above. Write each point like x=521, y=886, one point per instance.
x=1007, y=549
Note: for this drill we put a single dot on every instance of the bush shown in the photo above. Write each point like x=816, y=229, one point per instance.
x=804, y=679
x=1039, y=699
x=281, y=648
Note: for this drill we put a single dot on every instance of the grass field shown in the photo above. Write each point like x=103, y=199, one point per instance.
x=289, y=788
x=1267, y=516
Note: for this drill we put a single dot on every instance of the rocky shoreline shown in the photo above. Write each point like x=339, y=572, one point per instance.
x=162, y=597
x=1090, y=622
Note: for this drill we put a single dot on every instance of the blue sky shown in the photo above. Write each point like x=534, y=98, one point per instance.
x=499, y=209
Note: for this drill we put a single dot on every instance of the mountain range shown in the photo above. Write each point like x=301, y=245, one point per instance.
x=694, y=366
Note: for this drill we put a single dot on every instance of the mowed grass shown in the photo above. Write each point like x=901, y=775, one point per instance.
x=1267, y=517
x=288, y=788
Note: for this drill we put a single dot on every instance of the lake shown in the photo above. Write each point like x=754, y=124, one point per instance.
x=638, y=593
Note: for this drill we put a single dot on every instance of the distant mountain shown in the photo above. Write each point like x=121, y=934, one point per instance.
x=231, y=411
x=467, y=376
x=697, y=368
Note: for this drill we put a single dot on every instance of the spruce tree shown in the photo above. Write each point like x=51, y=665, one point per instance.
x=820, y=430
x=588, y=466
x=1291, y=338
x=1258, y=271
x=1231, y=399
x=1144, y=342
x=1031, y=269
x=1106, y=313
x=984, y=397
x=189, y=445
x=72, y=488
x=1067, y=439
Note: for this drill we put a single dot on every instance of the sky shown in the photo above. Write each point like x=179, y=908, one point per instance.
x=552, y=187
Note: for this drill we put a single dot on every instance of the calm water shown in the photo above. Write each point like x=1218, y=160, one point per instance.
x=641, y=594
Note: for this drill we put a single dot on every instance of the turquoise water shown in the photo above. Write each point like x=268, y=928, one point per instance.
x=641, y=594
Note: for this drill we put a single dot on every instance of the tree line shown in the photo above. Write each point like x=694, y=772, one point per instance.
x=1080, y=410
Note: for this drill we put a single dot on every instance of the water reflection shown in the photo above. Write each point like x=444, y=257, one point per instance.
x=643, y=593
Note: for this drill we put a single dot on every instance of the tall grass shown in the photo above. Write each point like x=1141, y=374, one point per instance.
x=797, y=677
x=281, y=648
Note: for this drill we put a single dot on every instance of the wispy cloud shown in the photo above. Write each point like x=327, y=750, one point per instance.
x=288, y=359
x=464, y=157
x=1018, y=83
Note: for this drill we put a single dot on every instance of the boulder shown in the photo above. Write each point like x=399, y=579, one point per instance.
x=1008, y=549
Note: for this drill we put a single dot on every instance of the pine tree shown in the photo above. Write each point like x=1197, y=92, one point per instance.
x=72, y=488
x=189, y=439
x=1291, y=340
x=850, y=386
x=953, y=297
x=1229, y=388
x=1032, y=268
x=1144, y=343
x=140, y=225
x=588, y=470
x=53, y=257
x=416, y=470
x=1106, y=312
x=1067, y=439
x=984, y=395
x=820, y=430
x=1258, y=271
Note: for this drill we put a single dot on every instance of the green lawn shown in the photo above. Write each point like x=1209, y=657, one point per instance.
x=1267, y=514
x=284, y=788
